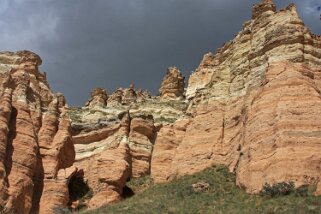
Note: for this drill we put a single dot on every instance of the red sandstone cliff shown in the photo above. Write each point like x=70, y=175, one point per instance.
x=255, y=107
x=36, y=143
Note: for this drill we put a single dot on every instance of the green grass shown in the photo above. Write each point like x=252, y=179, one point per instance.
x=223, y=196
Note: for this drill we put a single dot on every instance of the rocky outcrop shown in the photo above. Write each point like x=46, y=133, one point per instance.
x=141, y=137
x=254, y=107
x=269, y=135
x=112, y=154
x=283, y=127
x=116, y=98
x=143, y=95
x=113, y=167
x=98, y=98
x=127, y=96
x=271, y=36
x=172, y=86
x=36, y=144
x=168, y=139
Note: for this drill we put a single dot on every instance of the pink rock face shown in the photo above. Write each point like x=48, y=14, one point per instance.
x=35, y=139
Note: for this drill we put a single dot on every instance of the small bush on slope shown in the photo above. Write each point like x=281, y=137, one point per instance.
x=278, y=189
x=223, y=196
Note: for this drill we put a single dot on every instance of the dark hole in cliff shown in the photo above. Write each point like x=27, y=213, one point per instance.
x=79, y=191
x=127, y=192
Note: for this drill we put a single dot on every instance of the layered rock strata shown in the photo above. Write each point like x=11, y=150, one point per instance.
x=173, y=84
x=127, y=96
x=98, y=98
x=112, y=154
x=254, y=107
x=36, y=144
x=241, y=63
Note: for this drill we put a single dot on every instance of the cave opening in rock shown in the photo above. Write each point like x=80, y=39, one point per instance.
x=79, y=191
x=127, y=192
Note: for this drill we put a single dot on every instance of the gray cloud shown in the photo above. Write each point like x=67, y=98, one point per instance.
x=111, y=43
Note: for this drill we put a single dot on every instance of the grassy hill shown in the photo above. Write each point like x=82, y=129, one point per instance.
x=222, y=196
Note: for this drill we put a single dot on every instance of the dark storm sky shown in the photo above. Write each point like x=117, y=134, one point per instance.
x=110, y=43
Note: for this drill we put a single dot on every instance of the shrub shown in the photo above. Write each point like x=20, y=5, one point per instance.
x=278, y=189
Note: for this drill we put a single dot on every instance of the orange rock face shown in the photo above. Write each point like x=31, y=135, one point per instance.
x=269, y=135
x=254, y=105
x=35, y=139
x=127, y=96
x=110, y=155
x=172, y=86
x=283, y=130
x=141, y=141
x=113, y=168
x=99, y=98
x=168, y=139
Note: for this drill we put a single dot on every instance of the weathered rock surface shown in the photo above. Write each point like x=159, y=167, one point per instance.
x=141, y=137
x=113, y=167
x=282, y=138
x=172, y=86
x=35, y=140
x=130, y=95
x=127, y=96
x=168, y=139
x=254, y=106
x=98, y=98
x=112, y=154
x=271, y=36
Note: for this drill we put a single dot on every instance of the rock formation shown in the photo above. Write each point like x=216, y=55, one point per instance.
x=130, y=95
x=241, y=63
x=36, y=144
x=127, y=96
x=98, y=98
x=172, y=86
x=109, y=156
x=116, y=98
x=141, y=137
x=254, y=105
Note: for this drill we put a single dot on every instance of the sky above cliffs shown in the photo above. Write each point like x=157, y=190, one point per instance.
x=111, y=43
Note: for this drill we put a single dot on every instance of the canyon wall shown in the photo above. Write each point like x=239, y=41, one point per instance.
x=254, y=107
x=114, y=138
x=36, y=143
